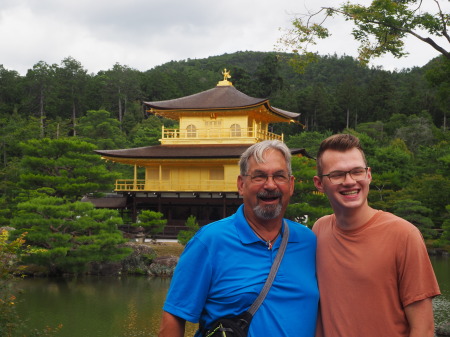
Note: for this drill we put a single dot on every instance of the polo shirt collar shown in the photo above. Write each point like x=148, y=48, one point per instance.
x=246, y=234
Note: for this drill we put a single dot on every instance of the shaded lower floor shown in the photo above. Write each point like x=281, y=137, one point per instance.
x=175, y=206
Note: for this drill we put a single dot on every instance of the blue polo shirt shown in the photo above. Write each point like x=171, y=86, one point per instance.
x=224, y=267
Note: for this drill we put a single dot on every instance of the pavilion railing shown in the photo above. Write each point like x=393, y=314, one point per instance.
x=141, y=185
x=215, y=133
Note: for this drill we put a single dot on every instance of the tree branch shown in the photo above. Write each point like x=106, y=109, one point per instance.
x=427, y=40
x=444, y=22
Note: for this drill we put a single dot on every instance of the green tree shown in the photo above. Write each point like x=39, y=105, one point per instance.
x=380, y=97
x=395, y=122
x=99, y=128
x=10, y=90
x=308, y=140
x=418, y=131
x=307, y=205
x=152, y=222
x=147, y=132
x=433, y=159
x=185, y=235
x=67, y=166
x=267, y=77
x=71, y=82
x=383, y=189
x=438, y=75
x=306, y=214
x=374, y=130
x=316, y=105
x=416, y=213
x=40, y=82
x=444, y=239
x=15, y=128
x=70, y=235
x=380, y=27
x=432, y=190
x=395, y=156
x=120, y=88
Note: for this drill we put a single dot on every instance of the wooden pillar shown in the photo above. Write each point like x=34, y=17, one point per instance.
x=159, y=203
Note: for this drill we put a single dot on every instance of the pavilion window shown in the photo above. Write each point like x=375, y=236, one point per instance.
x=191, y=131
x=235, y=130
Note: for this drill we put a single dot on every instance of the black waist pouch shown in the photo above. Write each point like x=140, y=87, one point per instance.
x=230, y=327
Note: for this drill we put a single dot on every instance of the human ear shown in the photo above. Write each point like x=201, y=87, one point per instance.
x=318, y=183
x=292, y=185
x=240, y=184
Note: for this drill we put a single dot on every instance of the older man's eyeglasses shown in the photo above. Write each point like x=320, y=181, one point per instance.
x=261, y=178
x=338, y=177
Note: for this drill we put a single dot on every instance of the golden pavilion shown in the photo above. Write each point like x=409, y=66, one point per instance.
x=194, y=169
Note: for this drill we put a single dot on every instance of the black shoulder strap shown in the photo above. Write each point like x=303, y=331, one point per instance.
x=273, y=272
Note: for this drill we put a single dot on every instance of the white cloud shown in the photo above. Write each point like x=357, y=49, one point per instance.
x=146, y=33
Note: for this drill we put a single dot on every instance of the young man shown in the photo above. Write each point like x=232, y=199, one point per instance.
x=375, y=277
x=225, y=265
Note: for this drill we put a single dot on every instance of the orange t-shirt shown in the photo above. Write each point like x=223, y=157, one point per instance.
x=368, y=275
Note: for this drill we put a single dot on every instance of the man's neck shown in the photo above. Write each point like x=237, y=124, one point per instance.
x=349, y=219
x=265, y=226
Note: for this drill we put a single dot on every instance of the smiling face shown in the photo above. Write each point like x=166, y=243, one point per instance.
x=266, y=201
x=351, y=195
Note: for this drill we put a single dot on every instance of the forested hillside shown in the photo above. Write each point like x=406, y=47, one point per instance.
x=52, y=118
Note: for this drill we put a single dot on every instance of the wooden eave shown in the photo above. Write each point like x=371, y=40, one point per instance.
x=183, y=153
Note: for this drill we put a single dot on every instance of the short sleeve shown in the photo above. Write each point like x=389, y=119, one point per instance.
x=416, y=275
x=190, y=283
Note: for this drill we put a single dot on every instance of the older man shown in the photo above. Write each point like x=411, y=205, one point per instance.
x=225, y=265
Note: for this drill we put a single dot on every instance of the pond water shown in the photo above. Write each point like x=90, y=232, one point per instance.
x=130, y=306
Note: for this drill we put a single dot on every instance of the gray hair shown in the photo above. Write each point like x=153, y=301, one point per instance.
x=257, y=151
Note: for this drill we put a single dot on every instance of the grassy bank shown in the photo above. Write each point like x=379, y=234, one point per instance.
x=167, y=248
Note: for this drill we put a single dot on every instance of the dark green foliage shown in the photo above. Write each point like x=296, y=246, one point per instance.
x=185, y=235
x=69, y=235
x=68, y=166
x=307, y=214
x=99, y=128
x=152, y=222
x=307, y=205
x=393, y=162
x=10, y=90
x=310, y=141
x=444, y=239
x=417, y=214
x=149, y=131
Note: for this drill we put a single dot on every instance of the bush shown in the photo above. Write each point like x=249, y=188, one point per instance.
x=184, y=236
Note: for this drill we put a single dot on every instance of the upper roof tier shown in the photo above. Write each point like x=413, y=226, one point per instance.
x=222, y=97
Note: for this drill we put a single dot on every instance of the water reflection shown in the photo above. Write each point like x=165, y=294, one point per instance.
x=131, y=306
x=92, y=307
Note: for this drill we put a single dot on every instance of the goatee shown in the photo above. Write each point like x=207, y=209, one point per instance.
x=268, y=212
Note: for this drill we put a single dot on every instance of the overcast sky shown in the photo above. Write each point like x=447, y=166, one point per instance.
x=145, y=33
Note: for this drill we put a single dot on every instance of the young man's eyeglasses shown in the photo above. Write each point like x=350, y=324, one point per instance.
x=338, y=177
x=261, y=178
